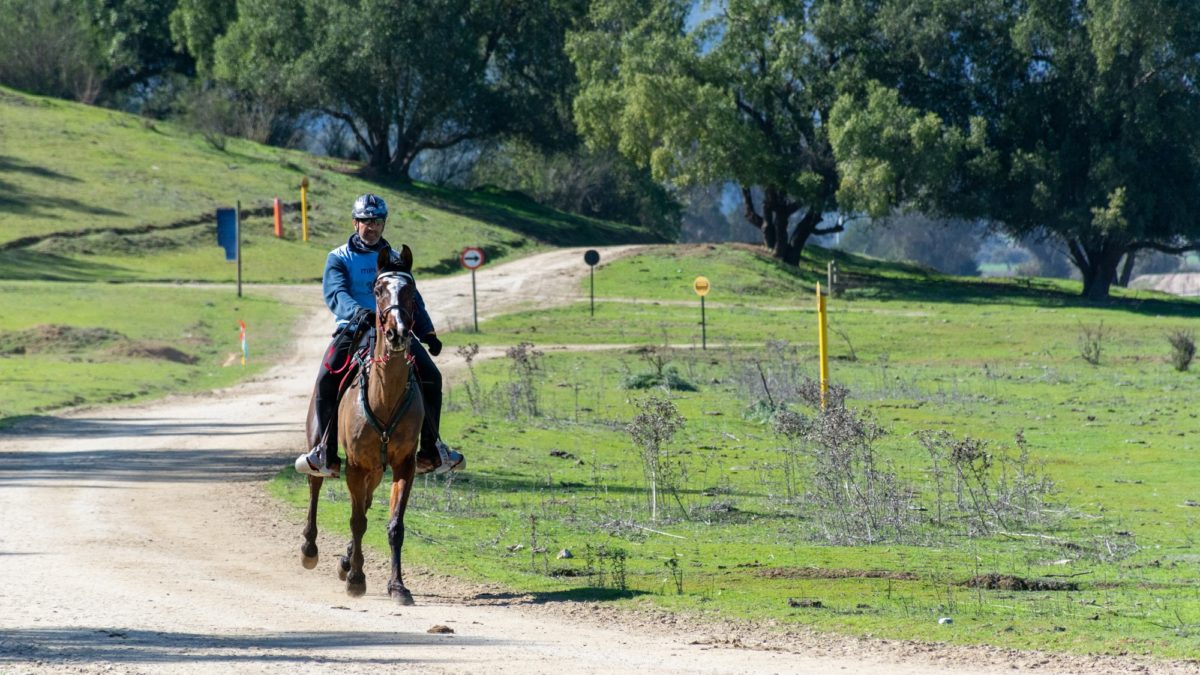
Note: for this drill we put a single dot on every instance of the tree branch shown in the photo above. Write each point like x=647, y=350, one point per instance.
x=1164, y=248
x=748, y=210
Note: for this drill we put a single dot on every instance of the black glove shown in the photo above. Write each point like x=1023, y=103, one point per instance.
x=435, y=345
x=363, y=318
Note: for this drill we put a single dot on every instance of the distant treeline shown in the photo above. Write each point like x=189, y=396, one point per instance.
x=1069, y=122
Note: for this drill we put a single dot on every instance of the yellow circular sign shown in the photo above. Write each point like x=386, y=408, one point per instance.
x=700, y=285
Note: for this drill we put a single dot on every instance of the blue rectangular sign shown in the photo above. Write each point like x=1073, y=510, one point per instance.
x=227, y=232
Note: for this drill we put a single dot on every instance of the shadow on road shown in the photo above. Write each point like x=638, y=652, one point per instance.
x=32, y=463
x=80, y=645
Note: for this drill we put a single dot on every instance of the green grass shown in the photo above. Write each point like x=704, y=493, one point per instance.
x=144, y=341
x=135, y=200
x=973, y=358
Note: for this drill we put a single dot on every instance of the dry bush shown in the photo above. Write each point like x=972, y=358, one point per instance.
x=652, y=430
x=1183, y=348
x=1091, y=342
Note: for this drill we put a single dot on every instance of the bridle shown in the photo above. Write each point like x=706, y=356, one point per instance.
x=384, y=429
x=405, y=315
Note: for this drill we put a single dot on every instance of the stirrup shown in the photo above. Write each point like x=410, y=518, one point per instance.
x=305, y=465
x=448, y=460
x=451, y=460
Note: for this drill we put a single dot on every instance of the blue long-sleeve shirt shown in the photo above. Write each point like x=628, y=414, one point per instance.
x=349, y=284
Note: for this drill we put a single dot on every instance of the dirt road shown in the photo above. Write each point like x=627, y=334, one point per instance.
x=138, y=539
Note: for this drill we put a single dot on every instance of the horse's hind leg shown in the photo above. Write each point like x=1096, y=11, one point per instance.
x=399, y=502
x=308, y=550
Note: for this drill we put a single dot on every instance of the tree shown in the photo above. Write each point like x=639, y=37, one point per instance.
x=136, y=40
x=743, y=95
x=48, y=49
x=1079, y=118
x=404, y=77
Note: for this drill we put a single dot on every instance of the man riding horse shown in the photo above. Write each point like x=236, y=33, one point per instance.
x=348, y=284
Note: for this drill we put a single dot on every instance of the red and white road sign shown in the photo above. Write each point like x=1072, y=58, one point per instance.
x=472, y=258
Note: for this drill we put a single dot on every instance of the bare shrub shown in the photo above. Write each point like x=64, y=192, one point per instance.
x=793, y=427
x=522, y=389
x=605, y=566
x=467, y=353
x=1183, y=348
x=776, y=380
x=852, y=498
x=982, y=490
x=652, y=430
x=1091, y=342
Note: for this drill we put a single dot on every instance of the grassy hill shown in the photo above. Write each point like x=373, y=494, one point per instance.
x=93, y=194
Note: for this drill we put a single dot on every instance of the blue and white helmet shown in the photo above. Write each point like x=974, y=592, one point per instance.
x=369, y=207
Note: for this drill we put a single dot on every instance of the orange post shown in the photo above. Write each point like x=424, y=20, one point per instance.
x=278, y=218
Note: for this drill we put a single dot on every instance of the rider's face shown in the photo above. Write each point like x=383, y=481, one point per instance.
x=370, y=231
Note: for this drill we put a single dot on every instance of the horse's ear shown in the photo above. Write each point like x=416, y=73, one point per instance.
x=384, y=259
x=405, y=258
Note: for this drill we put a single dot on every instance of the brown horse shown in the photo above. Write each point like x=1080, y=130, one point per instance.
x=379, y=421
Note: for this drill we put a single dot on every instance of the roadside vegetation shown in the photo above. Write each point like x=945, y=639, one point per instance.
x=981, y=469
x=69, y=344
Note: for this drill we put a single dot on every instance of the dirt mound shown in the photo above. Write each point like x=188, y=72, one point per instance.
x=149, y=350
x=833, y=573
x=1007, y=582
x=52, y=337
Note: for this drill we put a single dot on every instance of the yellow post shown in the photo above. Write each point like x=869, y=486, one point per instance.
x=304, y=206
x=822, y=341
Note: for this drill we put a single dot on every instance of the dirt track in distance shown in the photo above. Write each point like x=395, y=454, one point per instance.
x=139, y=539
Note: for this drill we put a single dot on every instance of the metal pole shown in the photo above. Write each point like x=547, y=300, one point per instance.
x=703, y=329
x=474, y=302
x=237, y=233
x=592, y=269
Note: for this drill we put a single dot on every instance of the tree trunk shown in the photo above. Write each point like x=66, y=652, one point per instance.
x=1127, y=269
x=777, y=210
x=406, y=152
x=1097, y=261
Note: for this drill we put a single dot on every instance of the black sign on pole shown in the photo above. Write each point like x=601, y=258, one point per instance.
x=591, y=257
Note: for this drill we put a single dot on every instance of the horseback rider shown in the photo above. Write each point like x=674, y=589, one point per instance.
x=348, y=285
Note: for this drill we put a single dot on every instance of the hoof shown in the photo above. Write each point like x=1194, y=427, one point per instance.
x=401, y=596
x=343, y=567
x=356, y=590
x=308, y=555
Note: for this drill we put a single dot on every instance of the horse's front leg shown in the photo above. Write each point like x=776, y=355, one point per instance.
x=308, y=550
x=401, y=488
x=356, y=580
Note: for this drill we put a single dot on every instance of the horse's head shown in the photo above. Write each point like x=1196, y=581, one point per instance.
x=395, y=297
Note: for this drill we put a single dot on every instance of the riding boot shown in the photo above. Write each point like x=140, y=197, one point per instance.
x=434, y=455
x=321, y=428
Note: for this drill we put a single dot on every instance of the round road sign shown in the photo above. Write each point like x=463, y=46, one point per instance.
x=472, y=258
x=700, y=285
x=591, y=257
